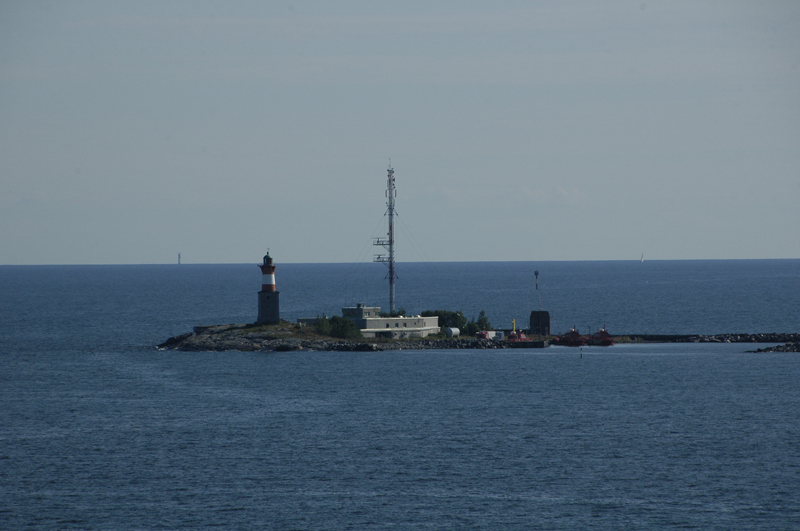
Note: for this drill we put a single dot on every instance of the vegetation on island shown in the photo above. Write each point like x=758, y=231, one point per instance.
x=449, y=319
x=344, y=328
x=340, y=327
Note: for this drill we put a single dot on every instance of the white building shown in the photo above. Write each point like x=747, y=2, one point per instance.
x=371, y=324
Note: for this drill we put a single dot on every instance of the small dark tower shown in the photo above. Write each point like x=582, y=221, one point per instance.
x=269, y=310
x=540, y=323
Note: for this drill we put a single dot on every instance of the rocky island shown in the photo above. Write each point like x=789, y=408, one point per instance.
x=285, y=336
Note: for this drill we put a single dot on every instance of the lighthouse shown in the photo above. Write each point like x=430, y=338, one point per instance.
x=268, y=305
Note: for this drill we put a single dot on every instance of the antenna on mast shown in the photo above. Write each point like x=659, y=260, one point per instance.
x=388, y=243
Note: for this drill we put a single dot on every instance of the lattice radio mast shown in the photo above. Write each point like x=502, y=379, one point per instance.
x=388, y=244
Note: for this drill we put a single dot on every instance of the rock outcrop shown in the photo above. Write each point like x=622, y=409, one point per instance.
x=787, y=347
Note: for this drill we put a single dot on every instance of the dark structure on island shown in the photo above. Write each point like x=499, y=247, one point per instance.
x=269, y=310
x=540, y=320
x=540, y=323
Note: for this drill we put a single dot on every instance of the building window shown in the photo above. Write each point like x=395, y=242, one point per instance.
x=387, y=325
x=397, y=325
x=404, y=325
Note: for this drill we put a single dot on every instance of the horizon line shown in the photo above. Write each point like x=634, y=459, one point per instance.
x=402, y=262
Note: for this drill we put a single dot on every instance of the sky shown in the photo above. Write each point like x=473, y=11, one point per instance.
x=573, y=130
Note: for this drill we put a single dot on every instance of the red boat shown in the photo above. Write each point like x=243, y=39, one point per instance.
x=517, y=336
x=570, y=339
x=483, y=334
x=601, y=338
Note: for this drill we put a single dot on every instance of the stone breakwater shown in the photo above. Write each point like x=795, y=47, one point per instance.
x=788, y=347
x=243, y=338
x=718, y=338
x=791, y=342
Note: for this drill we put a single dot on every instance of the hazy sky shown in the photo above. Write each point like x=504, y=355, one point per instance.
x=132, y=131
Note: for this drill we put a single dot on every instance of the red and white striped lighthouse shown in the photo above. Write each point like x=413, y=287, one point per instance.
x=269, y=310
x=267, y=274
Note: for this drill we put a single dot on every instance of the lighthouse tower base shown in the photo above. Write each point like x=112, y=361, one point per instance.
x=269, y=310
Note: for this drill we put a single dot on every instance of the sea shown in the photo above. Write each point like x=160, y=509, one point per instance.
x=101, y=430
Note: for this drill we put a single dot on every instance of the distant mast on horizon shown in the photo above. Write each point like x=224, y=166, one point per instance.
x=388, y=243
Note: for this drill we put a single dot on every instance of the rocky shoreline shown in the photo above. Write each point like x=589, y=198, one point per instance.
x=288, y=337
x=223, y=339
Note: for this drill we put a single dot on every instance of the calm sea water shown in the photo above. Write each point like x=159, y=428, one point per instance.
x=98, y=430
